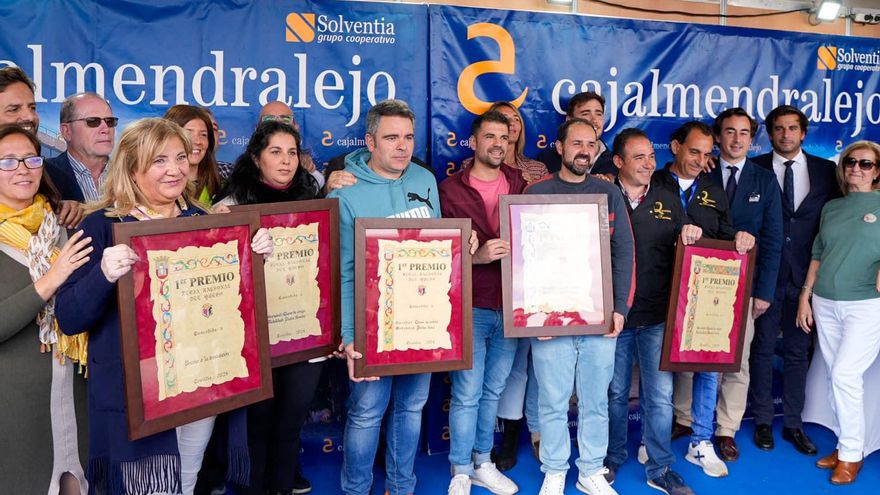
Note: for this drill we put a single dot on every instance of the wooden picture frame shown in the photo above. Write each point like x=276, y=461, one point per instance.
x=688, y=341
x=155, y=404
x=420, y=280
x=320, y=217
x=545, y=237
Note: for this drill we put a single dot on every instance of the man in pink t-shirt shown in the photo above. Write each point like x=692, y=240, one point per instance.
x=474, y=193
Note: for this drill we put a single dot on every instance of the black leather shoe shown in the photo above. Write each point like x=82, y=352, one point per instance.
x=800, y=440
x=764, y=437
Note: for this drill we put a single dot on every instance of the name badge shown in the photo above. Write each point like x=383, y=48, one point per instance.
x=754, y=198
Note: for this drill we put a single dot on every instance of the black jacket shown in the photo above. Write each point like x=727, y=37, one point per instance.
x=656, y=223
x=707, y=208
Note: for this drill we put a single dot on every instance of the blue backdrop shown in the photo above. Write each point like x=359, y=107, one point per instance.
x=332, y=60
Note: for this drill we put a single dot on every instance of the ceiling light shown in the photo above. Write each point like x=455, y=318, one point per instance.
x=560, y=2
x=828, y=10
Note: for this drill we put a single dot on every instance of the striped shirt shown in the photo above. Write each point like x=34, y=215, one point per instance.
x=91, y=191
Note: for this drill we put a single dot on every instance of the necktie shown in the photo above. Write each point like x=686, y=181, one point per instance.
x=788, y=184
x=730, y=188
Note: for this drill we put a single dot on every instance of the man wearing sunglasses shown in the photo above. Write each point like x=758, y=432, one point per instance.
x=89, y=128
x=277, y=110
x=807, y=183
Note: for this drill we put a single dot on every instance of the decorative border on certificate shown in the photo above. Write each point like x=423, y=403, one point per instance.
x=192, y=319
x=302, y=278
x=708, y=307
x=412, y=296
x=557, y=279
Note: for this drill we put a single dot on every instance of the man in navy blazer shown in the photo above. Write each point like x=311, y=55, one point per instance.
x=811, y=183
x=756, y=209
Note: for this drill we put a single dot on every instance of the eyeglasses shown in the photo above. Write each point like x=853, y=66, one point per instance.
x=863, y=164
x=12, y=164
x=287, y=119
x=96, y=121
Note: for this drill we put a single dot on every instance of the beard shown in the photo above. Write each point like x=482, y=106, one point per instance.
x=576, y=168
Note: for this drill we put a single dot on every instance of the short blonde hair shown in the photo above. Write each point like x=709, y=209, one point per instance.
x=858, y=145
x=520, y=144
x=139, y=144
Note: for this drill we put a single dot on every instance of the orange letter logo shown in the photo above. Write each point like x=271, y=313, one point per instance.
x=505, y=65
x=300, y=28
x=826, y=58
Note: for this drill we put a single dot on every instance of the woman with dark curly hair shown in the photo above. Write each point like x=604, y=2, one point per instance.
x=269, y=171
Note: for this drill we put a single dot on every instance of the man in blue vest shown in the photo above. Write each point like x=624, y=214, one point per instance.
x=807, y=183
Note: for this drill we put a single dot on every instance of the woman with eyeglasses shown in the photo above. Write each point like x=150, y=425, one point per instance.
x=203, y=171
x=148, y=180
x=842, y=295
x=269, y=171
x=43, y=419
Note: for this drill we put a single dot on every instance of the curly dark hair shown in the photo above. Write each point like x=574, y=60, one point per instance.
x=245, y=177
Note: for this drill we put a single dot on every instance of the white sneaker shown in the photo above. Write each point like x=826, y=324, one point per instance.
x=490, y=478
x=595, y=484
x=703, y=455
x=554, y=484
x=643, y=454
x=460, y=485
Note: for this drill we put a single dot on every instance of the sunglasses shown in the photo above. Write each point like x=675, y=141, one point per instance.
x=96, y=121
x=287, y=119
x=12, y=164
x=863, y=164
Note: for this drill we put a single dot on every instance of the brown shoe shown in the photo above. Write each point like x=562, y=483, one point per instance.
x=679, y=430
x=846, y=472
x=828, y=462
x=727, y=448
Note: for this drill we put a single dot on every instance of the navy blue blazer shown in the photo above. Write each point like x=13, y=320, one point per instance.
x=800, y=226
x=61, y=173
x=757, y=209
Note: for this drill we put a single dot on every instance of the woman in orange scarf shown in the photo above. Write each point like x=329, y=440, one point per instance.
x=43, y=418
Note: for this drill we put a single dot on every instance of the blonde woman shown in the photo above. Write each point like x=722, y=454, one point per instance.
x=148, y=180
x=842, y=295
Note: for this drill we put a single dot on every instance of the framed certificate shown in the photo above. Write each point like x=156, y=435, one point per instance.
x=557, y=278
x=412, y=296
x=302, y=278
x=708, y=307
x=193, y=320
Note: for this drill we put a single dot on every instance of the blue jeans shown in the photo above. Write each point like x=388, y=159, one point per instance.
x=475, y=392
x=520, y=395
x=367, y=403
x=655, y=398
x=587, y=363
x=703, y=406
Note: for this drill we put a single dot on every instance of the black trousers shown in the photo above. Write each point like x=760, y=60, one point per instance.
x=795, y=358
x=274, y=426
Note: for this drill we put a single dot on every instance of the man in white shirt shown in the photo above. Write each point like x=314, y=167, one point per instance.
x=807, y=183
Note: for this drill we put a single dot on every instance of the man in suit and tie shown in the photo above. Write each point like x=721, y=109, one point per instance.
x=807, y=183
x=756, y=208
